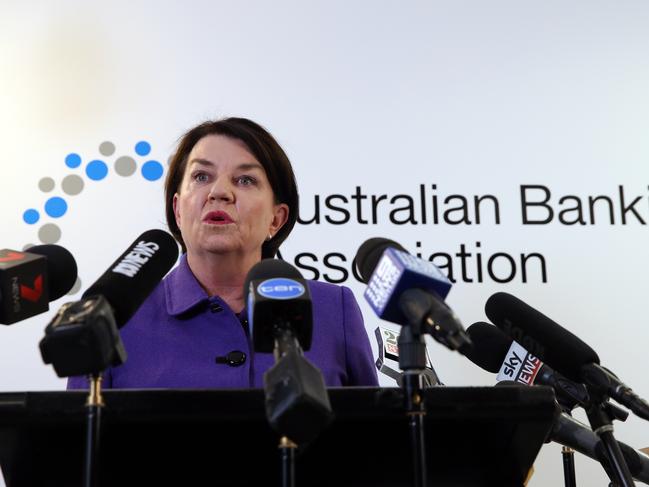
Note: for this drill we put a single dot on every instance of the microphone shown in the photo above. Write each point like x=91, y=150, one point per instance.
x=387, y=341
x=404, y=289
x=277, y=297
x=569, y=432
x=135, y=273
x=281, y=321
x=30, y=280
x=83, y=337
x=572, y=433
x=567, y=353
x=497, y=353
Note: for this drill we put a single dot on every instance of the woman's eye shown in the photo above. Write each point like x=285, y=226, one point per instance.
x=246, y=180
x=200, y=177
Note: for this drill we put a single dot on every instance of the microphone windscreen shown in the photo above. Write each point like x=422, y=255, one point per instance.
x=369, y=253
x=277, y=297
x=134, y=275
x=490, y=346
x=61, y=268
x=540, y=335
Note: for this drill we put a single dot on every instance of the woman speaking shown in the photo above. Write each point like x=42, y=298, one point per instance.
x=231, y=200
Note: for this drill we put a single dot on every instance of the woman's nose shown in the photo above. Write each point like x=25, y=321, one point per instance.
x=221, y=190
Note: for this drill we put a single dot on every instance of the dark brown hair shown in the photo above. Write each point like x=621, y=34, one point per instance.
x=265, y=149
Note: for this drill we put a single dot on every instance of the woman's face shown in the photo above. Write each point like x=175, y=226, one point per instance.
x=225, y=203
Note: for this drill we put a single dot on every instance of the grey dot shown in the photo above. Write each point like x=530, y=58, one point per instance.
x=72, y=184
x=27, y=246
x=106, y=148
x=75, y=289
x=125, y=166
x=49, y=233
x=46, y=185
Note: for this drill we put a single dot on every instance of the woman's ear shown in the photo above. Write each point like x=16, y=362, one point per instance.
x=176, y=210
x=280, y=217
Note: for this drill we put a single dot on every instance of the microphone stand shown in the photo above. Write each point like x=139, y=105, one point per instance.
x=412, y=360
x=94, y=405
x=297, y=403
x=287, y=452
x=600, y=417
x=568, y=398
x=284, y=344
x=83, y=339
x=423, y=311
x=567, y=453
x=569, y=476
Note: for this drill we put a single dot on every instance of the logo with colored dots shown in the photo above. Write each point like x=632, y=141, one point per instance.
x=73, y=184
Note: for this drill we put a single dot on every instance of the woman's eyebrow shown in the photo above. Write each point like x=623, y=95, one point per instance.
x=203, y=162
x=244, y=166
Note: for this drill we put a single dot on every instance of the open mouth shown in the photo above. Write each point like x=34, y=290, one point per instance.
x=218, y=218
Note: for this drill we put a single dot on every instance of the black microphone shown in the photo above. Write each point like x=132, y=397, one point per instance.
x=569, y=432
x=135, y=273
x=281, y=321
x=277, y=297
x=83, y=337
x=555, y=345
x=407, y=290
x=30, y=280
x=497, y=353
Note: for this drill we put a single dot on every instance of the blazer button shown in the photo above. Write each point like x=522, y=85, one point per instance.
x=233, y=359
x=215, y=307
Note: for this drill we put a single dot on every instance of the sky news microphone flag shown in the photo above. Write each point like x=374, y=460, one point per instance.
x=561, y=349
x=497, y=353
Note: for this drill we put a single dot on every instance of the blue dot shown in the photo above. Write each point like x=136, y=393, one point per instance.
x=96, y=170
x=142, y=148
x=31, y=216
x=152, y=170
x=56, y=207
x=73, y=160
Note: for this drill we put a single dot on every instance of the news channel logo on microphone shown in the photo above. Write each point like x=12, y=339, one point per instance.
x=280, y=288
x=75, y=174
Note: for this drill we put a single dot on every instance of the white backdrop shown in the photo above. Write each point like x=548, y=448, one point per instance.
x=474, y=97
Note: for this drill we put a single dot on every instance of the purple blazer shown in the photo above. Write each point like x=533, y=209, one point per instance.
x=175, y=337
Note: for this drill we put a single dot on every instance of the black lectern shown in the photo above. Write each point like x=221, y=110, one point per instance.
x=477, y=436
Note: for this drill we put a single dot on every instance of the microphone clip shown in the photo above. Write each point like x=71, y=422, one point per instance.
x=426, y=313
x=83, y=338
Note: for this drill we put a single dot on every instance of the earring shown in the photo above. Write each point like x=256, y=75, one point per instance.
x=269, y=238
